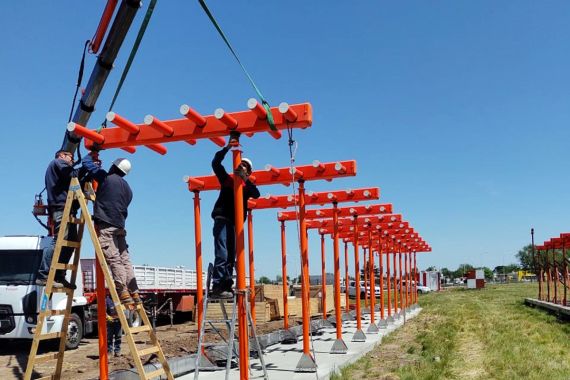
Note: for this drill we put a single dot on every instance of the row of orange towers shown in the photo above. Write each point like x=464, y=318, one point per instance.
x=372, y=228
x=551, y=267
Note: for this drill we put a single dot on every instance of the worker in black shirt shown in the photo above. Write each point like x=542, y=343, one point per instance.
x=57, y=178
x=223, y=215
x=109, y=214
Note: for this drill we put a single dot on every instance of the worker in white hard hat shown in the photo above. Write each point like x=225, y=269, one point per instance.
x=110, y=212
x=223, y=215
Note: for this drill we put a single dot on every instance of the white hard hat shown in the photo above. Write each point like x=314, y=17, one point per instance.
x=248, y=161
x=123, y=165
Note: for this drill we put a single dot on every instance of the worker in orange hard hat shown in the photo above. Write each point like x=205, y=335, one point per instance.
x=223, y=215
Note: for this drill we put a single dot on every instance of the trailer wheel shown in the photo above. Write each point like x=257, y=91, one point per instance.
x=74, y=332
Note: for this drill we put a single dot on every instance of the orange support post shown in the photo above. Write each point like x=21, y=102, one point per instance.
x=373, y=328
x=228, y=120
x=240, y=270
x=409, y=270
x=284, y=275
x=199, y=270
x=381, y=269
x=324, y=277
x=101, y=322
x=346, y=296
x=307, y=362
x=415, y=279
x=251, y=265
x=401, y=295
x=397, y=304
x=129, y=149
x=338, y=347
x=358, y=334
x=389, y=280
x=365, y=274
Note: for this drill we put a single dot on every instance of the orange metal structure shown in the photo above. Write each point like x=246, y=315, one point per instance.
x=192, y=127
x=285, y=176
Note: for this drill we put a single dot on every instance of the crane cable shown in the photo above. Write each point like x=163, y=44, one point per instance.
x=264, y=102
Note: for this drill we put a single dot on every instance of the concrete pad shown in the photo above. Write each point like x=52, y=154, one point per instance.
x=281, y=360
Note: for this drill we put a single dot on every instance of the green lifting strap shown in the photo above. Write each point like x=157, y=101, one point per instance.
x=264, y=102
x=134, y=50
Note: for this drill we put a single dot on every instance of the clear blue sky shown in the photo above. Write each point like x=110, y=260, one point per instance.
x=458, y=111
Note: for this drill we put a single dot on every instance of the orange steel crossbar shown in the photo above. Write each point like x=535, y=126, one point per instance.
x=195, y=126
x=319, y=198
x=342, y=212
x=274, y=176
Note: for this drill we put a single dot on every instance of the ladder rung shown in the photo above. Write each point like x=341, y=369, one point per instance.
x=136, y=330
x=69, y=243
x=61, y=290
x=156, y=373
x=46, y=357
x=50, y=336
x=50, y=377
x=148, y=351
x=52, y=313
x=65, y=266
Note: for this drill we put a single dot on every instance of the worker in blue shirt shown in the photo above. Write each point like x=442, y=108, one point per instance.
x=57, y=178
x=223, y=215
x=110, y=212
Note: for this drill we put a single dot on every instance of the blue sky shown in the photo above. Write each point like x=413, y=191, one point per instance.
x=458, y=111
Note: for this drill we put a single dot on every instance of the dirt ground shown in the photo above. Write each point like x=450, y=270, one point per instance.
x=83, y=363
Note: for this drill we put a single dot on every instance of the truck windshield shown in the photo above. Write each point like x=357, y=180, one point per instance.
x=19, y=267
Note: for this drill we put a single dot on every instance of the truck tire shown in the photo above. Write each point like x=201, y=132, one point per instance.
x=74, y=332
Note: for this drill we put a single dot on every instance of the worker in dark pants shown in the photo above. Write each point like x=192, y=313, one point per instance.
x=223, y=215
x=110, y=212
x=57, y=178
x=114, y=329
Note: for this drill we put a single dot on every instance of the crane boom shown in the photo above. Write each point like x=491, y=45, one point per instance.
x=119, y=28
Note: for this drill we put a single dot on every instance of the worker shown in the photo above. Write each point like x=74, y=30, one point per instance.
x=57, y=178
x=114, y=329
x=109, y=215
x=223, y=215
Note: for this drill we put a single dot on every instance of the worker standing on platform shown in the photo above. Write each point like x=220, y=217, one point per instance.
x=223, y=215
x=109, y=214
x=57, y=178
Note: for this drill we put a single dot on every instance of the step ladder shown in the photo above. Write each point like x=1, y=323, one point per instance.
x=231, y=328
x=75, y=194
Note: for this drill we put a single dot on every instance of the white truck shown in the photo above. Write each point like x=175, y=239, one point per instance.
x=21, y=298
x=165, y=291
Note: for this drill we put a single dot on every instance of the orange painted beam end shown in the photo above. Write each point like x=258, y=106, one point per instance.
x=158, y=148
x=85, y=132
x=123, y=123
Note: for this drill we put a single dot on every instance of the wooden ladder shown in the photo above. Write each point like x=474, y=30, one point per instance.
x=75, y=194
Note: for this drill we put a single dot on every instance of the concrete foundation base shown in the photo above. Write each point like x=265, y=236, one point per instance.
x=306, y=364
x=339, y=347
x=372, y=329
x=359, y=336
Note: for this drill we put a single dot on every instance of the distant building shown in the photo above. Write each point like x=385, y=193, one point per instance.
x=317, y=279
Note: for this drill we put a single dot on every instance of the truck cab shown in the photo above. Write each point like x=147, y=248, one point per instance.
x=21, y=299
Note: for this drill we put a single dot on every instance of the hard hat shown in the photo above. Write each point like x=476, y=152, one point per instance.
x=123, y=165
x=248, y=161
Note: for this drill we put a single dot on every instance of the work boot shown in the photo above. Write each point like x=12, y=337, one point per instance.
x=126, y=299
x=136, y=298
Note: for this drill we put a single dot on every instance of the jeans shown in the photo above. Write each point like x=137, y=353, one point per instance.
x=115, y=248
x=225, y=253
x=114, y=332
x=66, y=252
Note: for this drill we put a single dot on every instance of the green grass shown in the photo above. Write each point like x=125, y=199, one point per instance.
x=472, y=334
